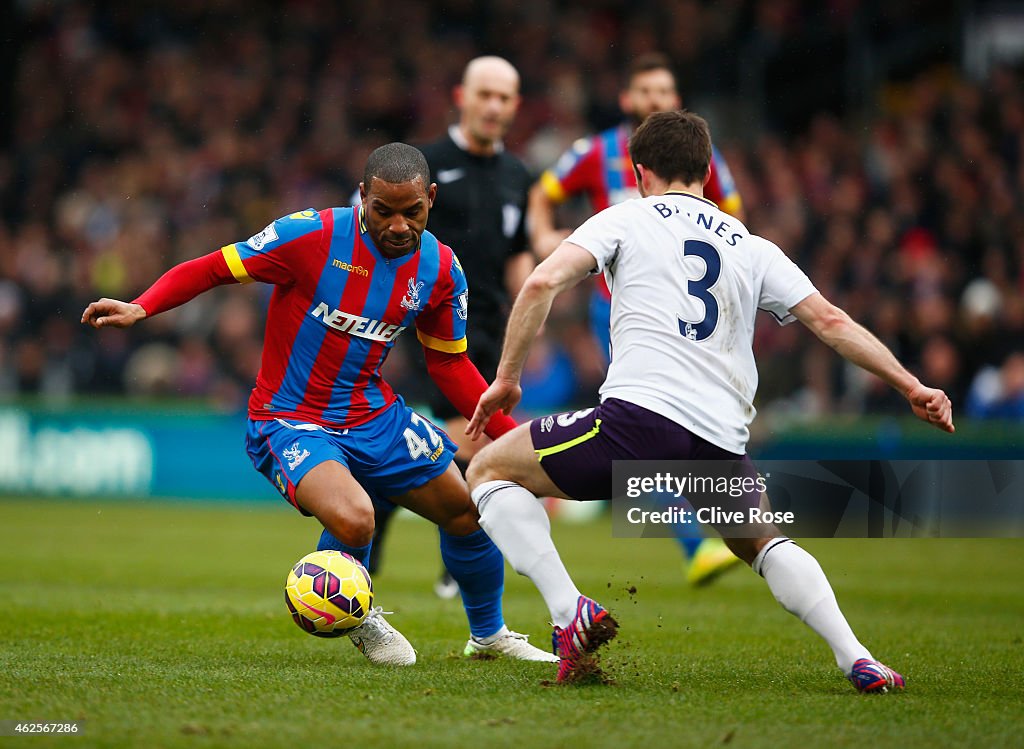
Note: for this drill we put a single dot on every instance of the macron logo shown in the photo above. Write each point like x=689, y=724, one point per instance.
x=364, y=327
x=357, y=269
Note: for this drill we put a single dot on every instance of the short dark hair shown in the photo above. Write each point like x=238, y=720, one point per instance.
x=396, y=163
x=645, y=63
x=674, y=145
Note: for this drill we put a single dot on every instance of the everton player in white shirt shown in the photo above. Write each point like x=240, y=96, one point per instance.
x=687, y=281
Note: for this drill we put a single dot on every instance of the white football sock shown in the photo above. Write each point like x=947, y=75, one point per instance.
x=493, y=638
x=520, y=528
x=798, y=583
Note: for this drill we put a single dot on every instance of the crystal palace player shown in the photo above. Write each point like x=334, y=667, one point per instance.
x=480, y=210
x=687, y=281
x=324, y=427
x=599, y=167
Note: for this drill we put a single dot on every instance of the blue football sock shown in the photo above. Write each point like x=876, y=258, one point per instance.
x=479, y=569
x=689, y=544
x=689, y=535
x=328, y=541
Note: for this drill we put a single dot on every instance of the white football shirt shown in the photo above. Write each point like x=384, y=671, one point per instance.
x=687, y=280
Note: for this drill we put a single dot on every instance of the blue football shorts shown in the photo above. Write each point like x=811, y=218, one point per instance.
x=392, y=453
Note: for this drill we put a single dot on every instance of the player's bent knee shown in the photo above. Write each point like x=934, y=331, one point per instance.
x=481, y=468
x=351, y=525
x=745, y=548
x=462, y=524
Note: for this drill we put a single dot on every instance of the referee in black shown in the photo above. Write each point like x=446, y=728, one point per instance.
x=480, y=211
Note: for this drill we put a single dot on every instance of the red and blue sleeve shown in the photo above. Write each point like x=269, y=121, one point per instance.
x=461, y=383
x=278, y=254
x=442, y=325
x=441, y=328
x=184, y=282
x=578, y=170
x=272, y=256
x=721, y=187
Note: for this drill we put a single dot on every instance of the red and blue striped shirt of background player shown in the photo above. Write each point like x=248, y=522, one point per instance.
x=600, y=168
x=337, y=308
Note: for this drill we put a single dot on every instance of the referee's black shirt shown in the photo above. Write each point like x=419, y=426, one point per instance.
x=480, y=213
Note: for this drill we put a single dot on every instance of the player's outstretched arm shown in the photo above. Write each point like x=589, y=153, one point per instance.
x=461, y=383
x=112, y=313
x=856, y=344
x=175, y=287
x=502, y=396
x=517, y=270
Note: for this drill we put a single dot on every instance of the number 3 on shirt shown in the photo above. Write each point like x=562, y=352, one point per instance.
x=698, y=331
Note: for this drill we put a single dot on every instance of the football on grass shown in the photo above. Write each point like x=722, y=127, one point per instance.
x=328, y=593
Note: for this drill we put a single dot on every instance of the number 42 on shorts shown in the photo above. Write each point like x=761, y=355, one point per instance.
x=432, y=446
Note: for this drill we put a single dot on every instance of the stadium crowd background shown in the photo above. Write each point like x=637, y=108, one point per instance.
x=141, y=135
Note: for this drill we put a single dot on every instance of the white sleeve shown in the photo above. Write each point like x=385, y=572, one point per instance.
x=601, y=235
x=783, y=284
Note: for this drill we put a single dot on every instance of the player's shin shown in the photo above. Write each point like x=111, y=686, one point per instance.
x=799, y=584
x=328, y=541
x=477, y=566
x=517, y=522
x=383, y=513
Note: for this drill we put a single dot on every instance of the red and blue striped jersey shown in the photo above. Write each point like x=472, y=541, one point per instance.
x=337, y=308
x=600, y=168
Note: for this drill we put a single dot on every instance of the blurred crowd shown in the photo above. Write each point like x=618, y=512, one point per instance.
x=147, y=136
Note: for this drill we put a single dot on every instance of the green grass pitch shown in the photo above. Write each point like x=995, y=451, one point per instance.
x=164, y=625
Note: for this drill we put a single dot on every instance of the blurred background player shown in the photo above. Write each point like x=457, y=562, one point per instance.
x=480, y=209
x=599, y=168
x=687, y=283
x=324, y=427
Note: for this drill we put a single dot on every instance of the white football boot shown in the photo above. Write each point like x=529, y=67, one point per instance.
x=511, y=645
x=382, y=644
